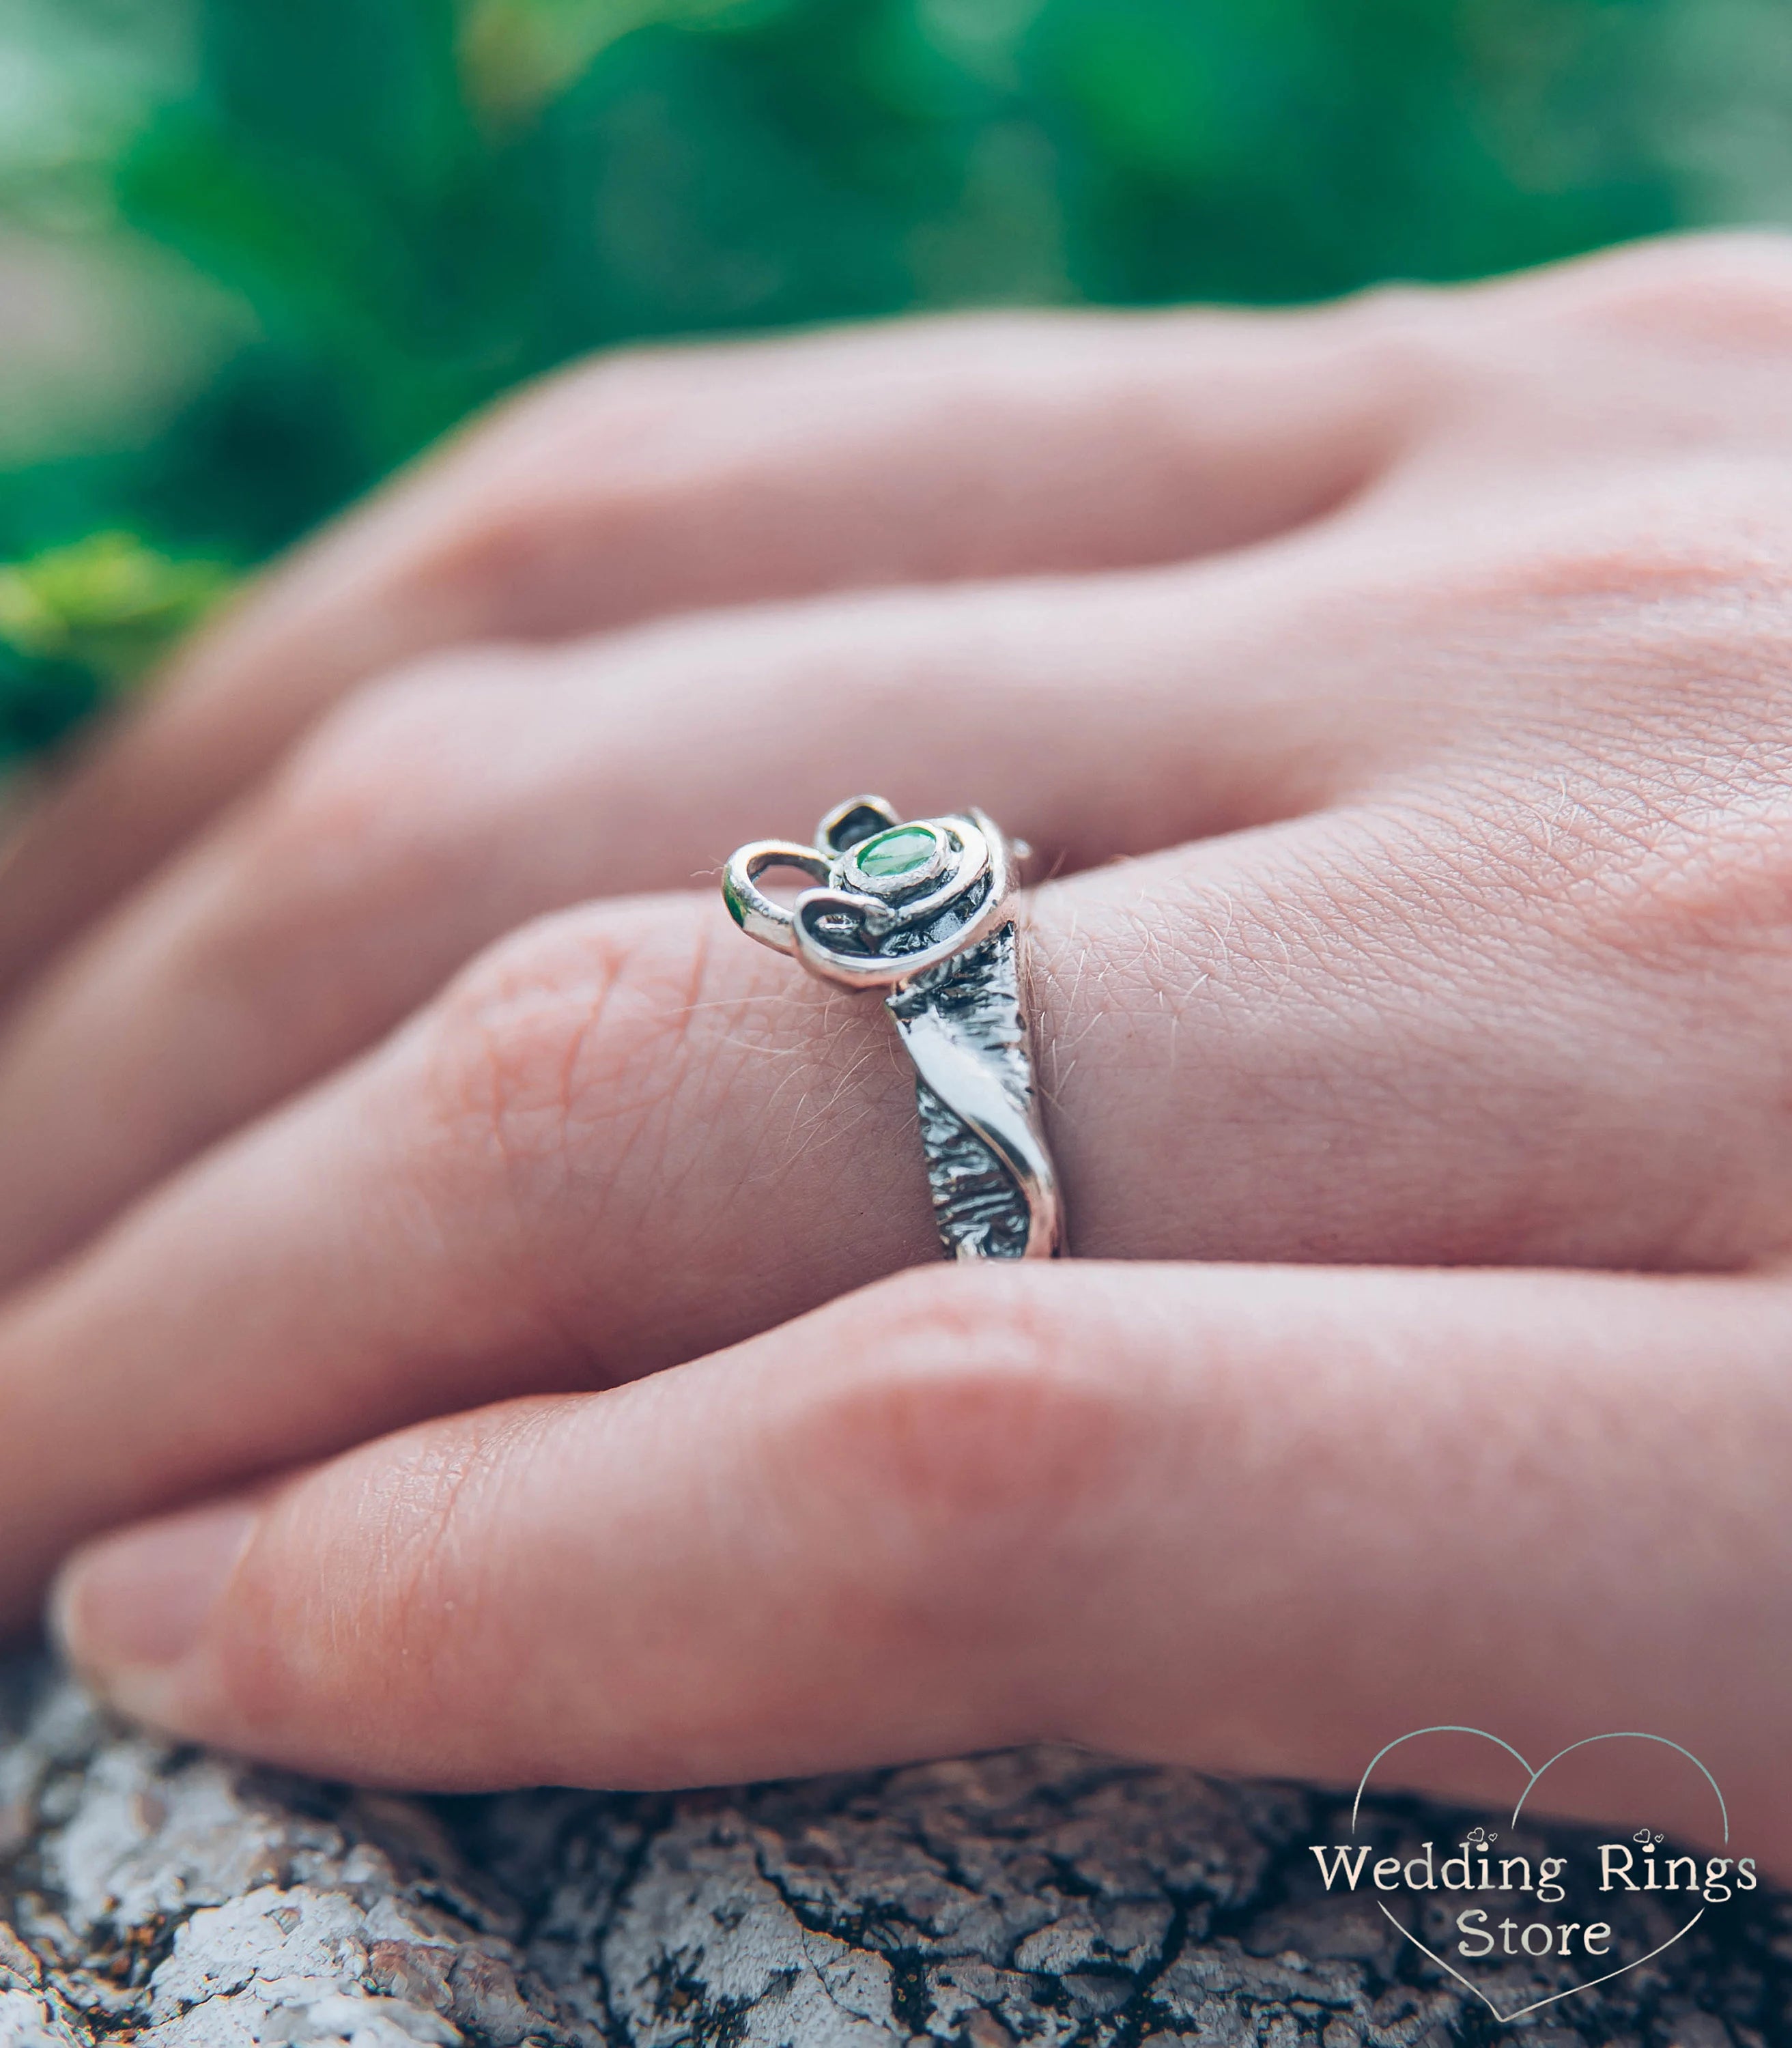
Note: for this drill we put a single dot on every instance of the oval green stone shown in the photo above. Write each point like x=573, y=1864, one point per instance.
x=898, y=852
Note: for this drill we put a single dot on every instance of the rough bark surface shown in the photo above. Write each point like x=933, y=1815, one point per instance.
x=179, y=1900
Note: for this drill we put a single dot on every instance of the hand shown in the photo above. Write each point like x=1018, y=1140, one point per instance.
x=1425, y=658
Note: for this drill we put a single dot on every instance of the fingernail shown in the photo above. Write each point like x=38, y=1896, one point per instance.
x=132, y=1606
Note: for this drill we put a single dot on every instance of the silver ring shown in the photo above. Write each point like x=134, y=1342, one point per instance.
x=919, y=909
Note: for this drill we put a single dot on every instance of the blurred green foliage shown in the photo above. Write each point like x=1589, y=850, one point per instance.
x=78, y=623
x=382, y=212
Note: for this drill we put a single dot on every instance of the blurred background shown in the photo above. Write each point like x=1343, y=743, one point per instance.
x=253, y=254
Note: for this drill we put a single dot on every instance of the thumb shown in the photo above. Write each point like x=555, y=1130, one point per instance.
x=1254, y=1520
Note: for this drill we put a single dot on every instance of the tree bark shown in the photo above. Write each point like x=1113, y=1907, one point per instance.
x=176, y=1899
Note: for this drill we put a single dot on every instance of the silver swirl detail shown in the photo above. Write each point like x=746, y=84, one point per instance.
x=995, y=1193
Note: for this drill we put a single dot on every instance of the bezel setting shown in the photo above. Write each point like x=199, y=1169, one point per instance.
x=935, y=936
x=872, y=931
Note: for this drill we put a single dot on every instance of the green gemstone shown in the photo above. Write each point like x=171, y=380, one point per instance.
x=898, y=852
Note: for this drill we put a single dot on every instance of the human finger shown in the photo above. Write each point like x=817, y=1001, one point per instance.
x=1248, y=1519
x=623, y=1138
x=654, y=483
x=428, y=816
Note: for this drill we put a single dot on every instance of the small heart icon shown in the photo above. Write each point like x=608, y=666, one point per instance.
x=1481, y=1839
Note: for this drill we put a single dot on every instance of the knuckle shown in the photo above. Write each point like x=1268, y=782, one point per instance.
x=1441, y=348
x=603, y=462
x=1732, y=289
x=310, y=1603
x=352, y=828
x=1653, y=645
x=419, y=1504
x=1648, y=641
x=390, y=764
x=1406, y=339
x=1686, y=893
x=565, y=1047
x=581, y=469
x=612, y=406
x=974, y=1428
x=1656, y=565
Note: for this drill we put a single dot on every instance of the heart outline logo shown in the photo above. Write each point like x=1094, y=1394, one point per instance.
x=1614, y=1734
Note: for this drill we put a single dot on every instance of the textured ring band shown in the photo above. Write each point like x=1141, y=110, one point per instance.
x=920, y=910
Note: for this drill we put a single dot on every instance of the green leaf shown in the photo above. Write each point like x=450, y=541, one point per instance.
x=108, y=606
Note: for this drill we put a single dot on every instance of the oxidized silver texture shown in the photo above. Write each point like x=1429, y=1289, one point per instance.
x=937, y=937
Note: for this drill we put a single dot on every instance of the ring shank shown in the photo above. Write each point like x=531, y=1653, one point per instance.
x=995, y=1190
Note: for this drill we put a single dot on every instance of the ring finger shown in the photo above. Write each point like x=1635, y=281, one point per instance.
x=624, y=1137
x=437, y=812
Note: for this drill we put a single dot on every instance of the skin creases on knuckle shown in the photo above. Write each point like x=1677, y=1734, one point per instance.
x=972, y=1437
x=566, y=1049
x=1648, y=648
x=1704, y=890
x=1624, y=617
x=1677, y=534
x=362, y=1592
